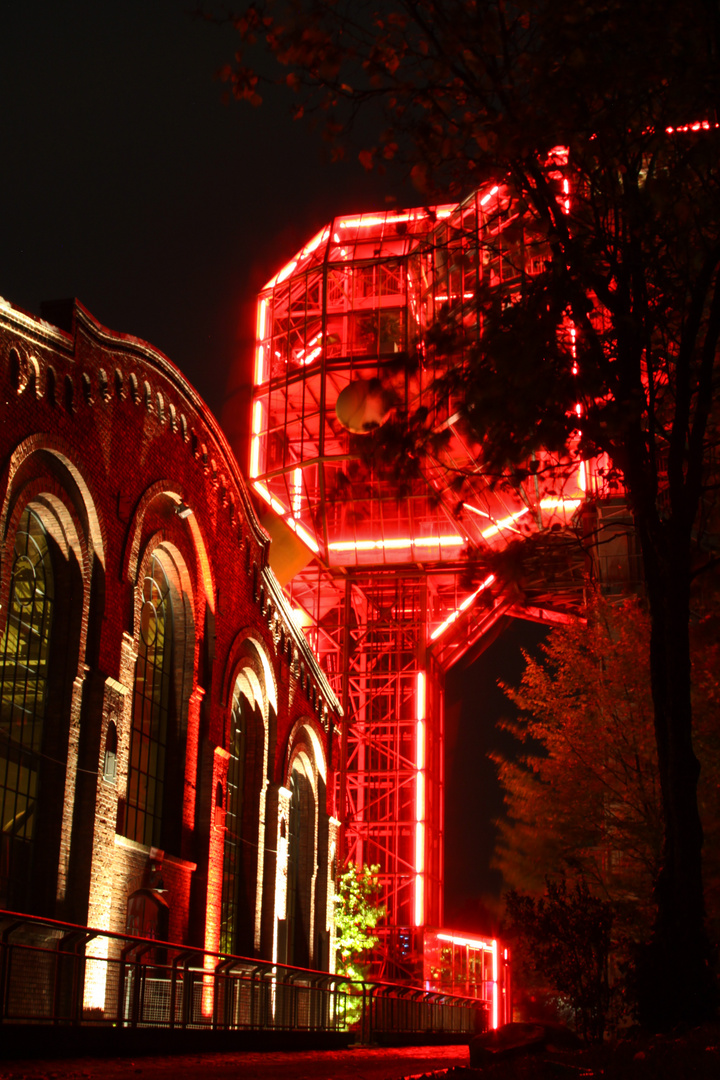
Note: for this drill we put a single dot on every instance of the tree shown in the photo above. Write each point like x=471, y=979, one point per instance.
x=563, y=937
x=477, y=89
x=357, y=913
x=582, y=795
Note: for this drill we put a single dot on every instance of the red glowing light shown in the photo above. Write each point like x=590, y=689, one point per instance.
x=297, y=492
x=420, y=707
x=260, y=365
x=397, y=544
x=495, y=1003
x=470, y=942
x=486, y=198
x=505, y=523
x=458, y=611
x=363, y=282
x=262, y=312
x=255, y=440
x=374, y=221
x=699, y=125
x=560, y=504
x=284, y=513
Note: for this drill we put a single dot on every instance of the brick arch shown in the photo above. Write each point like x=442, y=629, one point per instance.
x=68, y=475
x=49, y=500
x=249, y=650
x=182, y=594
x=170, y=491
x=63, y=503
x=307, y=738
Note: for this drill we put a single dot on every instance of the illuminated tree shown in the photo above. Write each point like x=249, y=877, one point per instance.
x=357, y=913
x=470, y=90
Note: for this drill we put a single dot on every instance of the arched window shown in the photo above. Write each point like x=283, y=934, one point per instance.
x=151, y=711
x=24, y=655
x=301, y=845
x=232, y=907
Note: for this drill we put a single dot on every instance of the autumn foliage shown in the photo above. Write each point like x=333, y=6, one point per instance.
x=582, y=793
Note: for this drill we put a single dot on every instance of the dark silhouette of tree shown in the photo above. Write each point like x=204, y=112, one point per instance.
x=586, y=767
x=582, y=793
x=563, y=938
x=466, y=91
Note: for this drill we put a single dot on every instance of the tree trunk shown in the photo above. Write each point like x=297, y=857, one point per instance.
x=675, y=982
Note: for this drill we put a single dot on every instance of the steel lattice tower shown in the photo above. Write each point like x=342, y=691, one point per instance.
x=377, y=569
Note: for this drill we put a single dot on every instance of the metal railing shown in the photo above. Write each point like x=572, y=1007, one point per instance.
x=62, y=974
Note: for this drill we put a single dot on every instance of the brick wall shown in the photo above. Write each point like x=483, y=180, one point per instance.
x=106, y=441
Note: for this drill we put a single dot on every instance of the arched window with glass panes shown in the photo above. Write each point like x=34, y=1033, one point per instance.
x=301, y=867
x=233, y=884
x=24, y=660
x=152, y=702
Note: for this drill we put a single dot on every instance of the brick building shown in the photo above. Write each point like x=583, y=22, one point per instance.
x=166, y=735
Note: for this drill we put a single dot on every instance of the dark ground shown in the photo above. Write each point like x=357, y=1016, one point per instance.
x=694, y=1055
x=361, y=1064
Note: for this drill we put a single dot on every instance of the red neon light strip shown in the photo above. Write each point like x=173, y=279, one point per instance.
x=260, y=365
x=504, y=523
x=405, y=542
x=420, y=706
x=287, y=517
x=472, y=943
x=297, y=492
x=560, y=504
x=496, y=988
x=370, y=221
x=458, y=611
x=262, y=311
x=255, y=440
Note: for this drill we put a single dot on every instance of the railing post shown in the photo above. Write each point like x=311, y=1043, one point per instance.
x=173, y=988
x=366, y=1019
x=220, y=992
x=187, y=994
x=120, y=1011
x=5, y=967
x=138, y=980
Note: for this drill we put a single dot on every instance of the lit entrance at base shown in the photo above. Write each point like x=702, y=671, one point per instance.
x=469, y=966
x=379, y=571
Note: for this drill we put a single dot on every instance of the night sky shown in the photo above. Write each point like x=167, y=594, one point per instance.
x=473, y=702
x=126, y=182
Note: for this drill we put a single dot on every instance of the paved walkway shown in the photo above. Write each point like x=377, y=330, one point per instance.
x=360, y=1064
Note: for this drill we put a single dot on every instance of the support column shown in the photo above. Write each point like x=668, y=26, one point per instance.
x=68, y=807
x=213, y=900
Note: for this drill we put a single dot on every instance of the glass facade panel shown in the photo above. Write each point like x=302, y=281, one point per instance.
x=232, y=851
x=24, y=655
x=151, y=700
